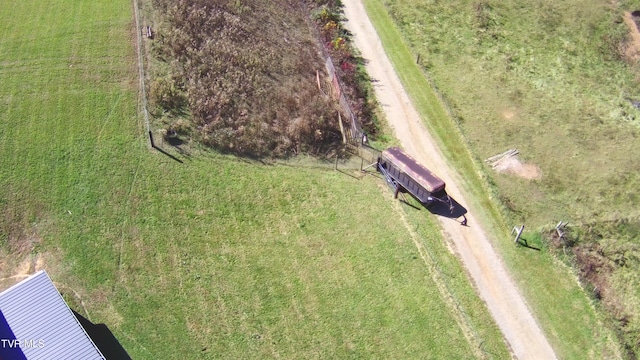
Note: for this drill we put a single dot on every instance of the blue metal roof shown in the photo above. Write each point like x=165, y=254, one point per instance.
x=36, y=322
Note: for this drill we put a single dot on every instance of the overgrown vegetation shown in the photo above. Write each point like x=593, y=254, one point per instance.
x=555, y=80
x=246, y=72
x=241, y=76
x=607, y=256
x=349, y=66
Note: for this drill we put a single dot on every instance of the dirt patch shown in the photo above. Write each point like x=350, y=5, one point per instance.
x=514, y=166
x=22, y=234
x=594, y=267
x=508, y=162
x=14, y=273
x=508, y=114
x=16, y=267
x=631, y=49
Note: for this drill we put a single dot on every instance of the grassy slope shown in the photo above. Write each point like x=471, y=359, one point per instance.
x=212, y=257
x=551, y=290
x=554, y=87
x=550, y=86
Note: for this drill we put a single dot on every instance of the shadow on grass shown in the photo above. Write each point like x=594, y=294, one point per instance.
x=166, y=153
x=174, y=141
x=108, y=345
x=406, y=202
x=353, y=176
x=523, y=242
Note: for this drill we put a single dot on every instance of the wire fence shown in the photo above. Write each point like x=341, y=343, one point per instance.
x=143, y=91
x=355, y=130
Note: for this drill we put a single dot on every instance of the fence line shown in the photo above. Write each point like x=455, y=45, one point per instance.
x=356, y=131
x=143, y=91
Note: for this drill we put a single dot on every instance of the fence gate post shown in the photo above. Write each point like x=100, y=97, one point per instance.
x=560, y=229
x=344, y=138
x=518, y=232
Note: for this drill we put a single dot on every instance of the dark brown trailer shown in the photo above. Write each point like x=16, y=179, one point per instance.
x=406, y=173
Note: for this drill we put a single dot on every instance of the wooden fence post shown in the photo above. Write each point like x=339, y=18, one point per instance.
x=344, y=138
x=318, y=80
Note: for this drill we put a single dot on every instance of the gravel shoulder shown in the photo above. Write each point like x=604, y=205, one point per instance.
x=484, y=266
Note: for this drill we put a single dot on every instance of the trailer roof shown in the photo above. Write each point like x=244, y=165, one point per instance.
x=416, y=171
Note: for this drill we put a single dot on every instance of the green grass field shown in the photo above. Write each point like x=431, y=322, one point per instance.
x=550, y=83
x=213, y=256
x=567, y=314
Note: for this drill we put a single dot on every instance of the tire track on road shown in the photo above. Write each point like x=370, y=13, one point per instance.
x=458, y=314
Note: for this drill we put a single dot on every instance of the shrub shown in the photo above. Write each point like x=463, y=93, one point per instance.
x=164, y=93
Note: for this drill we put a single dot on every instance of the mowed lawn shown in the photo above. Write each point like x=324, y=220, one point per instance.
x=211, y=257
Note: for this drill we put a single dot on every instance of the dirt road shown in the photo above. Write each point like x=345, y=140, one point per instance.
x=491, y=279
